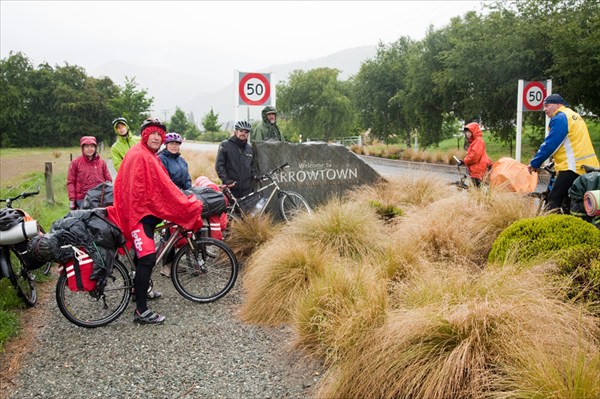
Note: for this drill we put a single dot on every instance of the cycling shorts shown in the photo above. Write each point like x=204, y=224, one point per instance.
x=143, y=239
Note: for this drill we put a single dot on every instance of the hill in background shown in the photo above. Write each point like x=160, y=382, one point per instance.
x=198, y=94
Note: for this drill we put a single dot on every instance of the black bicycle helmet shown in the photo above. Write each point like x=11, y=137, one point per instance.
x=153, y=122
x=243, y=125
x=9, y=217
x=120, y=119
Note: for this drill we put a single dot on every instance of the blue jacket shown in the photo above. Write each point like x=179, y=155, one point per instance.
x=177, y=168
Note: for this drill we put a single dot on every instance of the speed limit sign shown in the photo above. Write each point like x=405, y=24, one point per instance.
x=533, y=96
x=255, y=89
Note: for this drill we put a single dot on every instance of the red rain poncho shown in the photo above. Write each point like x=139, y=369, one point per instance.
x=143, y=187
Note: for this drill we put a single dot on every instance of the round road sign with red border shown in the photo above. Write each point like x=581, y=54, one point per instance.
x=533, y=96
x=255, y=89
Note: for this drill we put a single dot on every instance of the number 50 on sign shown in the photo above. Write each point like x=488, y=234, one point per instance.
x=254, y=88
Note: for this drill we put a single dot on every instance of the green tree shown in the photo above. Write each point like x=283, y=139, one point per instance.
x=15, y=86
x=379, y=92
x=132, y=103
x=317, y=103
x=210, y=121
x=179, y=122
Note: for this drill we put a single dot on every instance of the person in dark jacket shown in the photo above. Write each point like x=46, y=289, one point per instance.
x=267, y=129
x=177, y=168
x=174, y=162
x=234, y=164
x=477, y=160
x=85, y=172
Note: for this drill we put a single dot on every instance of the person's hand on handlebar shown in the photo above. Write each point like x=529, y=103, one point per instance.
x=531, y=169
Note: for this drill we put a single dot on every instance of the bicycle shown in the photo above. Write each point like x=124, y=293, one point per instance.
x=462, y=182
x=289, y=203
x=12, y=262
x=203, y=270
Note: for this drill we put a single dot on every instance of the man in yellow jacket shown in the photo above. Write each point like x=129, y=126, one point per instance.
x=569, y=142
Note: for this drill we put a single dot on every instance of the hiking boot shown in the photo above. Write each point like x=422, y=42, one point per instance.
x=148, y=317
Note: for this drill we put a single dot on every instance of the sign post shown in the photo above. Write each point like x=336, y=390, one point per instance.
x=253, y=89
x=530, y=98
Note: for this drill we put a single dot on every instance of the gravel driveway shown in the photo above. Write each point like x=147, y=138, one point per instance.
x=202, y=351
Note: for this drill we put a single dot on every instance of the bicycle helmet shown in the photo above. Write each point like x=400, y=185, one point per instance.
x=173, y=137
x=9, y=217
x=243, y=125
x=120, y=119
x=153, y=125
x=153, y=122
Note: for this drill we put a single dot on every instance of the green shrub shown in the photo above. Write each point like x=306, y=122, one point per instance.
x=386, y=211
x=580, y=266
x=530, y=238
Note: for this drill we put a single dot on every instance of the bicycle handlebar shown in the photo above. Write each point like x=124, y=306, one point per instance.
x=24, y=194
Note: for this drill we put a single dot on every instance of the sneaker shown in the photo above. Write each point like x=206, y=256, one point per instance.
x=148, y=317
x=151, y=295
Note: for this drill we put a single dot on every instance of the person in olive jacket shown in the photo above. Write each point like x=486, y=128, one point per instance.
x=267, y=129
x=234, y=164
x=85, y=172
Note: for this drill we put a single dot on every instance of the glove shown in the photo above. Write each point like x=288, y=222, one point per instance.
x=72, y=205
x=460, y=162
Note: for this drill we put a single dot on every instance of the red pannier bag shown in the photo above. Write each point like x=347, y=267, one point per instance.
x=79, y=270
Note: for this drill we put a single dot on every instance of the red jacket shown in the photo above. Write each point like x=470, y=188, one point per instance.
x=477, y=160
x=143, y=187
x=85, y=174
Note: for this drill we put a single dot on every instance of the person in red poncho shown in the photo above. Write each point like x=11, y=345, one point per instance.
x=477, y=160
x=144, y=195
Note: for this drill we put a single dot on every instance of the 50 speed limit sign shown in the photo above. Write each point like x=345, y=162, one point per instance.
x=533, y=96
x=255, y=89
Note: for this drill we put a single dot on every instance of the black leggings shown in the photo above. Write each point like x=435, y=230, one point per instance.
x=143, y=272
x=559, y=196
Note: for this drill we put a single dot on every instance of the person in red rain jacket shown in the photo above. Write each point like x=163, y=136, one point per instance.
x=144, y=196
x=85, y=172
x=477, y=161
x=218, y=223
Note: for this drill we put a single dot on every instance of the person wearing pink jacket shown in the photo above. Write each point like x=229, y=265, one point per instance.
x=85, y=172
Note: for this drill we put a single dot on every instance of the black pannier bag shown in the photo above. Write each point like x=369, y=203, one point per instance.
x=213, y=202
x=100, y=196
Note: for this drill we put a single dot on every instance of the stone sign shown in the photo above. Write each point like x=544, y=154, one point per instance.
x=317, y=171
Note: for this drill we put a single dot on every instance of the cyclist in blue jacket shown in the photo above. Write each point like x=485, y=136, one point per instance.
x=174, y=162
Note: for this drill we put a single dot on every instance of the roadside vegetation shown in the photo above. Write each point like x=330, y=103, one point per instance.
x=411, y=288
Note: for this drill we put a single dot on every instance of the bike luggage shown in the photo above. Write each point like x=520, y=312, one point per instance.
x=79, y=270
x=213, y=202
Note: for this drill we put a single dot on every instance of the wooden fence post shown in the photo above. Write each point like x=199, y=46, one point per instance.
x=49, y=188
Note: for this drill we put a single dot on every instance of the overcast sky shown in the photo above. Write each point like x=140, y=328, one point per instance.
x=209, y=38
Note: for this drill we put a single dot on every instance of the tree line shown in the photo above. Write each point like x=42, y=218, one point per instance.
x=466, y=71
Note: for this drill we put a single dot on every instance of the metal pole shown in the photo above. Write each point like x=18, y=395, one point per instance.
x=519, y=120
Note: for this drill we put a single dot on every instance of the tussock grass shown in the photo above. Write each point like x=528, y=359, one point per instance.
x=349, y=229
x=462, y=226
x=456, y=333
x=278, y=275
x=404, y=192
x=340, y=307
x=201, y=163
x=248, y=233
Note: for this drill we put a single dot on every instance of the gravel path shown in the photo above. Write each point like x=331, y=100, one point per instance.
x=202, y=351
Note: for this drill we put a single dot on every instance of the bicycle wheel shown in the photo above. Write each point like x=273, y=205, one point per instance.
x=291, y=204
x=205, y=272
x=21, y=278
x=96, y=308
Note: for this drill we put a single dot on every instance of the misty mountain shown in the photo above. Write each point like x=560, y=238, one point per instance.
x=198, y=95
